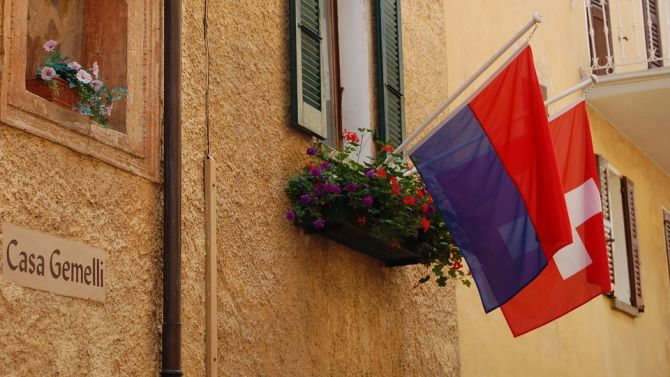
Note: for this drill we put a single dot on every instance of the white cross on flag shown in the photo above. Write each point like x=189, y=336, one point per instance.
x=578, y=272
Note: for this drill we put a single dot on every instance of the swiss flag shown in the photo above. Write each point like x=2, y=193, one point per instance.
x=578, y=272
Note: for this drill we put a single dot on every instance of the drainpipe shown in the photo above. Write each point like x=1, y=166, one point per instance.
x=171, y=350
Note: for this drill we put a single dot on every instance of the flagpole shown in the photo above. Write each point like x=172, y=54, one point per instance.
x=537, y=18
x=592, y=80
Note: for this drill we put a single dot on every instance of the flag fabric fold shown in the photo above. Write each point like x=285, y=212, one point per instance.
x=578, y=272
x=492, y=172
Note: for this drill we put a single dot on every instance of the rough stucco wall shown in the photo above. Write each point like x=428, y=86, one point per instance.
x=289, y=303
x=193, y=208
x=52, y=189
x=56, y=191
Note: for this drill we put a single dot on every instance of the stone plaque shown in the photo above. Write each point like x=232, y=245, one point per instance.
x=37, y=260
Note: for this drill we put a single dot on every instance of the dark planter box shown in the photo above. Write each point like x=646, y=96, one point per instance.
x=341, y=226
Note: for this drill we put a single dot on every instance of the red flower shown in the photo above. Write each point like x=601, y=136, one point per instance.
x=382, y=173
x=425, y=224
x=387, y=148
x=420, y=193
x=409, y=200
x=351, y=136
x=361, y=221
x=395, y=187
x=424, y=208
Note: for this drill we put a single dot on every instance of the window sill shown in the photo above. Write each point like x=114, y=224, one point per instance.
x=623, y=307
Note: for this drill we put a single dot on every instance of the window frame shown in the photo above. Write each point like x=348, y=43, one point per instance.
x=136, y=150
x=628, y=239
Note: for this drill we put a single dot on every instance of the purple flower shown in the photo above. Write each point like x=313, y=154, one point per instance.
x=290, y=215
x=319, y=223
x=74, y=65
x=331, y=188
x=371, y=173
x=96, y=84
x=50, y=45
x=367, y=201
x=84, y=76
x=431, y=211
x=305, y=199
x=95, y=69
x=325, y=166
x=47, y=73
x=312, y=151
x=350, y=187
x=315, y=171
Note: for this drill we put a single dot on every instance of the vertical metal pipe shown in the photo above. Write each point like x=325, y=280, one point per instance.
x=171, y=350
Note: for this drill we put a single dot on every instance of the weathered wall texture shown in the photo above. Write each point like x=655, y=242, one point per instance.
x=293, y=304
x=594, y=340
x=56, y=191
x=51, y=189
x=290, y=304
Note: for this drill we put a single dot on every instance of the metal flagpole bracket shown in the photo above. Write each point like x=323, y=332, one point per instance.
x=586, y=83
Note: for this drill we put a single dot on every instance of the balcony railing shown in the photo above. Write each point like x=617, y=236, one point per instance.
x=627, y=35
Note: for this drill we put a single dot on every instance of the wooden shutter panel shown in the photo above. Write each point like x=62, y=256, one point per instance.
x=652, y=37
x=607, y=215
x=632, y=245
x=309, y=66
x=389, y=72
x=666, y=227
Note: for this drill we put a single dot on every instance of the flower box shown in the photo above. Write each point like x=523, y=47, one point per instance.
x=343, y=228
x=65, y=97
x=370, y=205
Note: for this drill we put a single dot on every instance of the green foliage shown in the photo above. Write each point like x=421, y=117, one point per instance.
x=388, y=205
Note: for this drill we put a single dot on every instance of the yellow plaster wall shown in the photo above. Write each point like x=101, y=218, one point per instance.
x=594, y=340
x=292, y=304
x=51, y=189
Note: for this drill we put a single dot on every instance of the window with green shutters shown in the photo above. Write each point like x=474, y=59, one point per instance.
x=316, y=95
x=389, y=72
x=309, y=66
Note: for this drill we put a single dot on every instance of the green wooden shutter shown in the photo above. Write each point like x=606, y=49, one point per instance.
x=309, y=66
x=389, y=72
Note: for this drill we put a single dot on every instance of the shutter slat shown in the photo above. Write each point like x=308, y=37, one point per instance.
x=632, y=244
x=607, y=215
x=389, y=77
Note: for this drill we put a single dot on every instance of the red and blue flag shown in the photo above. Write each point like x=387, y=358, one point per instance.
x=492, y=172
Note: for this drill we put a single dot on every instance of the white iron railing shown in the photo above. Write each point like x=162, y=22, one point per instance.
x=616, y=34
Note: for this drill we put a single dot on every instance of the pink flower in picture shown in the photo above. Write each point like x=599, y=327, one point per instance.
x=48, y=73
x=84, y=76
x=95, y=69
x=74, y=65
x=96, y=84
x=50, y=45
